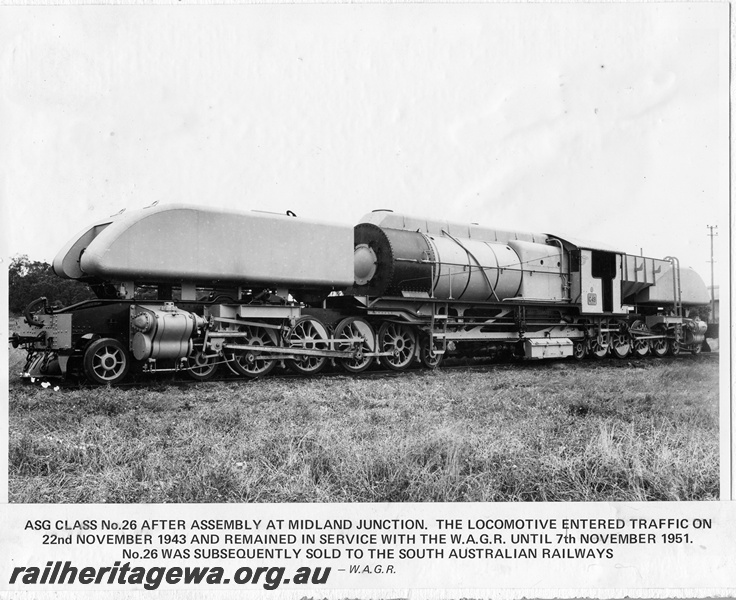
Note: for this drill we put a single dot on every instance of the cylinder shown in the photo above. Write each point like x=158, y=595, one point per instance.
x=161, y=334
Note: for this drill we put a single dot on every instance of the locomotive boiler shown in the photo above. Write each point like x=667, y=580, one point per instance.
x=192, y=289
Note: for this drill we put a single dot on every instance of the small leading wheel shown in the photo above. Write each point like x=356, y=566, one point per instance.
x=620, y=344
x=400, y=341
x=579, y=349
x=673, y=348
x=430, y=359
x=639, y=347
x=308, y=334
x=200, y=366
x=106, y=361
x=598, y=346
x=351, y=328
x=250, y=363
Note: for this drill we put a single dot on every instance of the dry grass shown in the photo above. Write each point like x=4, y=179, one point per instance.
x=620, y=430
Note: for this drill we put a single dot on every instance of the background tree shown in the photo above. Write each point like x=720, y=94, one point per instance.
x=31, y=279
x=702, y=312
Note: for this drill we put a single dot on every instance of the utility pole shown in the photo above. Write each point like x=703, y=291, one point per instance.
x=712, y=234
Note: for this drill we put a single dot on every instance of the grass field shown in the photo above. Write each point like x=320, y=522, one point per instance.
x=615, y=430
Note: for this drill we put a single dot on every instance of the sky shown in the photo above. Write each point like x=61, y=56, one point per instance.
x=607, y=122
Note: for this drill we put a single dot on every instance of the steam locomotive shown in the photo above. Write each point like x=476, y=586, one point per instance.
x=187, y=288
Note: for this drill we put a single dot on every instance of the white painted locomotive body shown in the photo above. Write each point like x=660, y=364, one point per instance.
x=191, y=288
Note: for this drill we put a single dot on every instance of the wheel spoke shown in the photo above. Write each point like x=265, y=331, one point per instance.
x=310, y=334
x=599, y=346
x=350, y=329
x=200, y=366
x=250, y=363
x=399, y=340
x=659, y=345
x=106, y=361
x=639, y=346
x=579, y=349
x=620, y=345
x=429, y=358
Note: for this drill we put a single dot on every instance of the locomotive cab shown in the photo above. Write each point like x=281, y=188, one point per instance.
x=600, y=282
x=595, y=277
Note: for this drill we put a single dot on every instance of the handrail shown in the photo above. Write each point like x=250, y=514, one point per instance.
x=30, y=319
x=564, y=281
x=676, y=288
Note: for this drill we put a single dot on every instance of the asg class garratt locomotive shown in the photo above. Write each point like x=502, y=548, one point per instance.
x=192, y=288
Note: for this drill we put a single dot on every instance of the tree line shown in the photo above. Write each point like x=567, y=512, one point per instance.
x=30, y=279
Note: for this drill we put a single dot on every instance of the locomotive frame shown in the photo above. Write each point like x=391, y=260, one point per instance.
x=421, y=290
